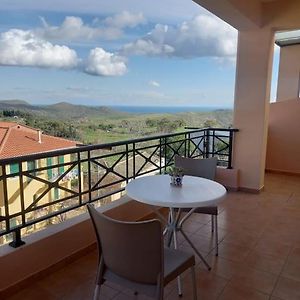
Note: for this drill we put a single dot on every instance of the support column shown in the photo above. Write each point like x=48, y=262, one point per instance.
x=289, y=73
x=251, y=105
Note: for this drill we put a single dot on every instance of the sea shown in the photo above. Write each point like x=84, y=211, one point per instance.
x=164, y=109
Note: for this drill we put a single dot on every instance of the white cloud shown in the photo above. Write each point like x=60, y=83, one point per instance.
x=104, y=63
x=74, y=29
x=154, y=83
x=23, y=48
x=125, y=19
x=147, y=47
x=204, y=35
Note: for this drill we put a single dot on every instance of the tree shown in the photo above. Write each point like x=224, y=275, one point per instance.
x=210, y=123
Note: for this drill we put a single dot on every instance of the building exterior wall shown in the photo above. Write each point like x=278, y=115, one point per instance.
x=283, y=151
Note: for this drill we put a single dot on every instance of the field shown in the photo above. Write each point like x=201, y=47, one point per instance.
x=94, y=125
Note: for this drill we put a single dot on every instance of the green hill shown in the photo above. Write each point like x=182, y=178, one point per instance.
x=61, y=110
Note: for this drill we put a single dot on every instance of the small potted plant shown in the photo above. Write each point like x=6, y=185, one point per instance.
x=176, y=175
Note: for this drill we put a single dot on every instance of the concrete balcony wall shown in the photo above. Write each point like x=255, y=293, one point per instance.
x=283, y=149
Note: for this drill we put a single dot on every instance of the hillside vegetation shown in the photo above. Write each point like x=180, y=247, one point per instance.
x=103, y=124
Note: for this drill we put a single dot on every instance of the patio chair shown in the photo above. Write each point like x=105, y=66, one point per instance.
x=131, y=254
x=205, y=168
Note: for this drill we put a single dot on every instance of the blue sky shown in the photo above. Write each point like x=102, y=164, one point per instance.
x=134, y=52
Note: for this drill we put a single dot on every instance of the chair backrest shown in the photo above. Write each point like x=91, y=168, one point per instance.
x=132, y=250
x=205, y=167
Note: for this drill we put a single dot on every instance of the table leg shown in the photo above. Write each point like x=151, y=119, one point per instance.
x=169, y=230
x=174, y=221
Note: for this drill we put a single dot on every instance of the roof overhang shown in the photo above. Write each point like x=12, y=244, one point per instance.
x=287, y=38
x=241, y=14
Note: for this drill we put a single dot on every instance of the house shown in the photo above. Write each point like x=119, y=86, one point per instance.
x=31, y=189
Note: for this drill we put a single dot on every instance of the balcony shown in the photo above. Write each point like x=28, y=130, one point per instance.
x=48, y=188
x=43, y=196
x=259, y=240
x=258, y=257
x=259, y=244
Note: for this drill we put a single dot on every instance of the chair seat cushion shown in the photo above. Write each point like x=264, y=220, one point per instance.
x=176, y=262
x=209, y=210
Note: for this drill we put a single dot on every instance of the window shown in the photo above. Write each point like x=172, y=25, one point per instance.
x=31, y=165
x=61, y=161
x=49, y=170
x=14, y=168
x=56, y=193
x=13, y=223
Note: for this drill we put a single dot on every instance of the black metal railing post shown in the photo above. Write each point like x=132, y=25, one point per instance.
x=213, y=143
x=165, y=154
x=89, y=175
x=17, y=241
x=127, y=164
x=230, y=150
x=189, y=145
x=80, y=179
x=160, y=156
x=133, y=160
x=207, y=143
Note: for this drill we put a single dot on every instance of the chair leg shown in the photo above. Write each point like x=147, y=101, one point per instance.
x=99, y=279
x=195, y=249
x=212, y=223
x=194, y=282
x=97, y=292
x=216, y=235
x=160, y=291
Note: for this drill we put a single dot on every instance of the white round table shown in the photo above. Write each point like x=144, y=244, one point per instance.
x=194, y=192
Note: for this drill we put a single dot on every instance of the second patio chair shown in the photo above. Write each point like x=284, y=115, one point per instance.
x=132, y=255
x=205, y=168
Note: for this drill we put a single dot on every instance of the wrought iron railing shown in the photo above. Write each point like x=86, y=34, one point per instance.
x=46, y=188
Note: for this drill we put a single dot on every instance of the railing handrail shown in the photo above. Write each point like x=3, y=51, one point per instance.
x=81, y=148
x=213, y=128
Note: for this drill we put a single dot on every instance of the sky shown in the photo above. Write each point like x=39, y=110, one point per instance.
x=117, y=52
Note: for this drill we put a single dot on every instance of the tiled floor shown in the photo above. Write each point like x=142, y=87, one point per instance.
x=259, y=255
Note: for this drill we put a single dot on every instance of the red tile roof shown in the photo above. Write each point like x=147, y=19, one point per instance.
x=18, y=140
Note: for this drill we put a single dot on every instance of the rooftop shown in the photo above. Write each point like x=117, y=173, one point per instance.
x=259, y=255
x=19, y=140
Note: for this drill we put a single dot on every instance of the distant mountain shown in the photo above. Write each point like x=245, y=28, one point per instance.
x=61, y=110
x=14, y=102
x=16, y=105
x=66, y=109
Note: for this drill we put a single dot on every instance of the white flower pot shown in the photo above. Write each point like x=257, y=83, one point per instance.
x=176, y=180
